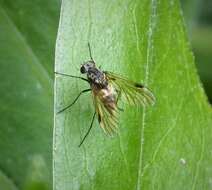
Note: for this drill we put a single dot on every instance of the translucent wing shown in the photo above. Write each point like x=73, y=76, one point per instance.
x=131, y=92
x=106, y=108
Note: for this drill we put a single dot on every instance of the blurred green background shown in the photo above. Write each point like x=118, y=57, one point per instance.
x=198, y=20
x=28, y=32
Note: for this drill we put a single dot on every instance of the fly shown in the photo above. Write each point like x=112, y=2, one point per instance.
x=107, y=90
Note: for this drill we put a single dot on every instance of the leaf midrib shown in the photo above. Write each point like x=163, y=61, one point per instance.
x=153, y=6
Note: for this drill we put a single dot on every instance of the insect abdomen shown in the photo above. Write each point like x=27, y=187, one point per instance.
x=108, y=99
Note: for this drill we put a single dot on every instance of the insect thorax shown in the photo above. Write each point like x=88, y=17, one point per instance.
x=97, y=77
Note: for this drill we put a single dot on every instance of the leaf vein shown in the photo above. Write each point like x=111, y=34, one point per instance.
x=152, y=24
x=169, y=130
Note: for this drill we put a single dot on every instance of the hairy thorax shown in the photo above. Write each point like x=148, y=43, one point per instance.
x=97, y=78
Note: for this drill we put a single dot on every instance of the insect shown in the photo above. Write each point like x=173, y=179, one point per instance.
x=107, y=90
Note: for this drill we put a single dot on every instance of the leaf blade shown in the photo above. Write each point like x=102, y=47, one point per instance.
x=145, y=41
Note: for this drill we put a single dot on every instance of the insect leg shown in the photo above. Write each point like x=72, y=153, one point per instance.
x=119, y=95
x=91, y=125
x=120, y=109
x=86, y=90
x=66, y=75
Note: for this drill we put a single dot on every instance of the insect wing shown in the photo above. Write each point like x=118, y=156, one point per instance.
x=131, y=92
x=107, y=116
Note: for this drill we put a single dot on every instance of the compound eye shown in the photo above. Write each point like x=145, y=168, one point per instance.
x=82, y=70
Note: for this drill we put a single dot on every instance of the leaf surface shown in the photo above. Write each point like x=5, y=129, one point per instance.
x=166, y=146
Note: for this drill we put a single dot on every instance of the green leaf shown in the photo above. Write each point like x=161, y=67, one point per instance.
x=202, y=45
x=6, y=183
x=166, y=146
x=27, y=35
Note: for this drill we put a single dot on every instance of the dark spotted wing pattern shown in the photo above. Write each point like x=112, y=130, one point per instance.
x=131, y=92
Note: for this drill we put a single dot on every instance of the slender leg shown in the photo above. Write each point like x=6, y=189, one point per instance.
x=120, y=109
x=66, y=75
x=86, y=90
x=91, y=125
x=119, y=95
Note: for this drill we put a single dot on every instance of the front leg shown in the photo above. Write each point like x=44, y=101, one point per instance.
x=72, y=76
x=86, y=90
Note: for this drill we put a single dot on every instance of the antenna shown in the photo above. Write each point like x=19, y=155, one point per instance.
x=89, y=48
